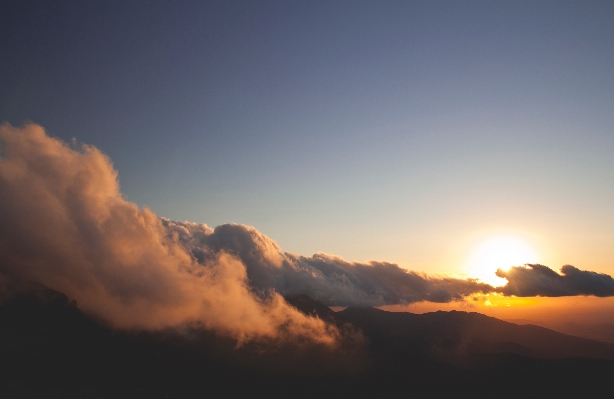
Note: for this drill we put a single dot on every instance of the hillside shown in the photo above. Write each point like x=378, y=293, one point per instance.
x=50, y=349
x=462, y=333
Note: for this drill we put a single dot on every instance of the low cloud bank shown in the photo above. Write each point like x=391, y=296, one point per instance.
x=65, y=224
x=327, y=278
x=535, y=279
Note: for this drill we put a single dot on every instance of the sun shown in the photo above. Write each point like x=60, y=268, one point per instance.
x=499, y=253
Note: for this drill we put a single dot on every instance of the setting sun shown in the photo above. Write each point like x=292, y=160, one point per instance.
x=499, y=253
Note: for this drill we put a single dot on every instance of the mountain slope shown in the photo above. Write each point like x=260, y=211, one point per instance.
x=603, y=332
x=50, y=349
x=470, y=333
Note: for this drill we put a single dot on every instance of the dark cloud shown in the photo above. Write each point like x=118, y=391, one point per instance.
x=535, y=279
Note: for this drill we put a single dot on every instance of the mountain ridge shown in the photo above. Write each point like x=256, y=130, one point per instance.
x=459, y=332
x=49, y=349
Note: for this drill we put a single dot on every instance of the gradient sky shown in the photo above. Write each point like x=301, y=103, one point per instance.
x=399, y=131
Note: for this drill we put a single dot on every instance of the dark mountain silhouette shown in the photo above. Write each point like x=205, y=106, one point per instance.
x=447, y=334
x=603, y=332
x=313, y=307
x=50, y=349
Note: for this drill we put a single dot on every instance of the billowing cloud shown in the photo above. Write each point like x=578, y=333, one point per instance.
x=535, y=279
x=64, y=223
x=327, y=278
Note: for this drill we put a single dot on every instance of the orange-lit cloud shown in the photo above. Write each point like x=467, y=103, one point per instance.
x=64, y=223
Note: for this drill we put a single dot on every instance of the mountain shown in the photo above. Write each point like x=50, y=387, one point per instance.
x=603, y=332
x=50, y=349
x=446, y=334
x=313, y=307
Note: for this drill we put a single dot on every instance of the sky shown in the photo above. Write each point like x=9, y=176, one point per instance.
x=404, y=132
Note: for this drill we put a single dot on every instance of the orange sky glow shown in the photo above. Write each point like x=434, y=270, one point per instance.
x=578, y=309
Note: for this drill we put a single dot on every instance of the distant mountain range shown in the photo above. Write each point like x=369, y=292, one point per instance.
x=48, y=348
x=449, y=335
x=603, y=332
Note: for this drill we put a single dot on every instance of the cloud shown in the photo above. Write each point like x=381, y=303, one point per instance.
x=535, y=279
x=65, y=224
x=327, y=278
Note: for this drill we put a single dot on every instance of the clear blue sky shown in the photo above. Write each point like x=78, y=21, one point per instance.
x=390, y=130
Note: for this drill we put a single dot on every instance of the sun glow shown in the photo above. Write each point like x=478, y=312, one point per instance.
x=499, y=253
